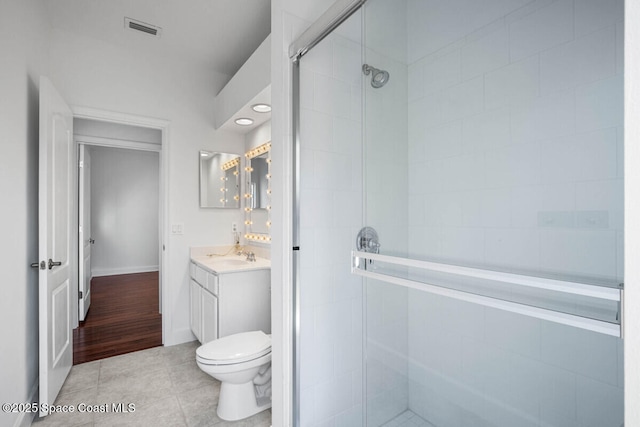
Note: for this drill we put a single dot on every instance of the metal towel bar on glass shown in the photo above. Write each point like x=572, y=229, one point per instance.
x=611, y=294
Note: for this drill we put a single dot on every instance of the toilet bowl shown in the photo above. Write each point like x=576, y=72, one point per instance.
x=242, y=363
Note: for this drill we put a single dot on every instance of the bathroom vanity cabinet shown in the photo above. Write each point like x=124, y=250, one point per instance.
x=227, y=303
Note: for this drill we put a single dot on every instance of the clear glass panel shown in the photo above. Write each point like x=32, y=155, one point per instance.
x=330, y=216
x=493, y=139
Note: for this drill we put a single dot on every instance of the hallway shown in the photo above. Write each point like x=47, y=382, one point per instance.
x=123, y=317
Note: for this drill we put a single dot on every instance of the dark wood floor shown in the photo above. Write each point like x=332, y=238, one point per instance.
x=123, y=317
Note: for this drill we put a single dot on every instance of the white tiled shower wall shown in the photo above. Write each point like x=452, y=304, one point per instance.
x=331, y=213
x=515, y=161
x=515, y=142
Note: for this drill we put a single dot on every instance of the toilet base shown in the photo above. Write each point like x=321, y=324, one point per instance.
x=238, y=401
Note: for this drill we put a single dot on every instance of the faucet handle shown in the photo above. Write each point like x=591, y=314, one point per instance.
x=251, y=256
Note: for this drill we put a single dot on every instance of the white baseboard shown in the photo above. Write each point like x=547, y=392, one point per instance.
x=25, y=419
x=98, y=272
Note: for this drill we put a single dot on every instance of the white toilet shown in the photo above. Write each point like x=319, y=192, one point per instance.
x=242, y=363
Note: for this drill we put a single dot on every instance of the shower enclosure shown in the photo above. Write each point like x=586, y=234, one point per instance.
x=481, y=143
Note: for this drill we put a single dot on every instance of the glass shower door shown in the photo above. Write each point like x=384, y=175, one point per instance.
x=330, y=164
x=492, y=174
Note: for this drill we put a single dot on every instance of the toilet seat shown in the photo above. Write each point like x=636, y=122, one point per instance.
x=234, y=349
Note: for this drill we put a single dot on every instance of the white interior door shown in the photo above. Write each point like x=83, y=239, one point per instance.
x=84, y=237
x=55, y=219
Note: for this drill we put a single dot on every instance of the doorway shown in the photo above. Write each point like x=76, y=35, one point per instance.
x=120, y=290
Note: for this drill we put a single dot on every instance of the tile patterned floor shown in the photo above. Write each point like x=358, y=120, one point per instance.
x=408, y=419
x=164, y=383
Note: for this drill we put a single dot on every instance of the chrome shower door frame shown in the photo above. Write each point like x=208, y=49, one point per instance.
x=339, y=12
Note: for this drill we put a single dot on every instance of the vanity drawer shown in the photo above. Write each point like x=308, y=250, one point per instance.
x=212, y=283
x=201, y=276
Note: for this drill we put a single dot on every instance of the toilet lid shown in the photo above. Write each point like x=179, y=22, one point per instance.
x=236, y=348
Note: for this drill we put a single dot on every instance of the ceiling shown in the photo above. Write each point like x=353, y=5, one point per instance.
x=221, y=34
x=263, y=97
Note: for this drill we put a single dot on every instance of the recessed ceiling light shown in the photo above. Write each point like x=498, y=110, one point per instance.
x=261, y=108
x=244, y=121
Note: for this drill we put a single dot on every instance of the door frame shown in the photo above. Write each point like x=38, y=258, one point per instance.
x=84, y=173
x=163, y=208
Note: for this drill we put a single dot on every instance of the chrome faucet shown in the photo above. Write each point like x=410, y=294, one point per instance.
x=236, y=246
x=250, y=256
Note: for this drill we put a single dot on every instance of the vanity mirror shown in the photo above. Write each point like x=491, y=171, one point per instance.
x=219, y=180
x=258, y=194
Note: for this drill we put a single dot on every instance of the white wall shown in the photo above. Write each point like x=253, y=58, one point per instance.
x=124, y=211
x=116, y=131
x=91, y=73
x=23, y=44
x=251, y=79
x=258, y=136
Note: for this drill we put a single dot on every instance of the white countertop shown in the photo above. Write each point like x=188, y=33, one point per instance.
x=230, y=263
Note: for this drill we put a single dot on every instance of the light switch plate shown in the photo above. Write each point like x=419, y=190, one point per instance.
x=177, y=228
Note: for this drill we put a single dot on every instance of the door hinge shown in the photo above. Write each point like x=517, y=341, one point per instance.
x=80, y=164
x=80, y=295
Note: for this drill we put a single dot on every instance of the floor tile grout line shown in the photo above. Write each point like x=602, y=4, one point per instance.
x=184, y=416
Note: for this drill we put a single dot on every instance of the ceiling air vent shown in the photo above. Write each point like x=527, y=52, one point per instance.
x=143, y=27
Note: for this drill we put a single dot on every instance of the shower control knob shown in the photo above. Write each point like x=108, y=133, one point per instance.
x=367, y=240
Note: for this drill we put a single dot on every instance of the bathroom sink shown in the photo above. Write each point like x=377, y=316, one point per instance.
x=232, y=261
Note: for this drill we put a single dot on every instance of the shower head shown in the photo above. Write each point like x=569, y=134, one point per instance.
x=379, y=78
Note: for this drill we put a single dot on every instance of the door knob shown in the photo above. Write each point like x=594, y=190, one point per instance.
x=92, y=241
x=41, y=265
x=53, y=263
